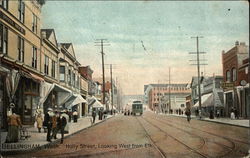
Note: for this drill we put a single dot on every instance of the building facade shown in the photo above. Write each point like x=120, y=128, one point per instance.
x=20, y=51
x=235, y=73
x=159, y=95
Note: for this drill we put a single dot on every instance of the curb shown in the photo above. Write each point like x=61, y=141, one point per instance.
x=51, y=144
x=215, y=121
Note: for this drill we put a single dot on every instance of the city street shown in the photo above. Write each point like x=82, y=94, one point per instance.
x=153, y=135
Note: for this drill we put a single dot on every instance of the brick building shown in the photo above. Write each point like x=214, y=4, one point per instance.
x=235, y=71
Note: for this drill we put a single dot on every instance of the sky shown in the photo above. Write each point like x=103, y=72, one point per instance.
x=148, y=37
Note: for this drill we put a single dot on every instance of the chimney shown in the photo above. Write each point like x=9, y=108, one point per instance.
x=223, y=52
x=236, y=43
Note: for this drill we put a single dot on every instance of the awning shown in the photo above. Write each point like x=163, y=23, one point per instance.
x=94, y=102
x=45, y=89
x=4, y=70
x=37, y=78
x=63, y=94
x=74, y=100
x=206, y=100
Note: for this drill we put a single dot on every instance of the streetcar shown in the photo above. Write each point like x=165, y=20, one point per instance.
x=137, y=108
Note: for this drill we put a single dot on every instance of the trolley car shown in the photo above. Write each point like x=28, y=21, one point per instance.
x=137, y=108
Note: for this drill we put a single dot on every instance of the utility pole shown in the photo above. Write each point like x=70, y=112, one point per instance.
x=112, y=103
x=103, y=73
x=169, y=91
x=198, y=67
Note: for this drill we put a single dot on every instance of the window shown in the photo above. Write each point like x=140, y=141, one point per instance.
x=46, y=65
x=34, y=23
x=3, y=39
x=62, y=73
x=20, y=49
x=53, y=69
x=234, y=74
x=69, y=77
x=5, y=4
x=21, y=8
x=34, y=57
x=228, y=75
x=73, y=80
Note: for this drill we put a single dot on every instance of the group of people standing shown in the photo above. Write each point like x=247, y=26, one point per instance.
x=54, y=121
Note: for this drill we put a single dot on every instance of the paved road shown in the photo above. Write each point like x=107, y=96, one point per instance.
x=153, y=136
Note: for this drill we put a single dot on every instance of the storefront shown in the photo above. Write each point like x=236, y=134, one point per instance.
x=27, y=97
x=3, y=99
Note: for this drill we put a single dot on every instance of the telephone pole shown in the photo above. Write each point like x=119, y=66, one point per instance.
x=101, y=41
x=198, y=66
x=169, y=91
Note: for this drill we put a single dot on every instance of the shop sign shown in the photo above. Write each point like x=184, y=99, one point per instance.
x=11, y=22
x=226, y=85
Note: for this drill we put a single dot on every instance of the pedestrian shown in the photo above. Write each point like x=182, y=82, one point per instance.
x=232, y=114
x=236, y=113
x=48, y=123
x=66, y=128
x=14, y=122
x=211, y=114
x=93, y=116
x=62, y=123
x=70, y=115
x=218, y=113
x=99, y=114
x=75, y=116
x=39, y=121
x=199, y=113
x=188, y=113
x=55, y=125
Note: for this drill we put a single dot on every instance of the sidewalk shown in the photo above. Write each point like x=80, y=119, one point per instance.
x=38, y=140
x=228, y=121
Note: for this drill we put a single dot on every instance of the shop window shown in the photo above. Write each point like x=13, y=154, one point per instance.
x=4, y=4
x=228, y=75
x=3, y=39
x=234, y=74
x=34, y=23
x=62, y=73
x=20, y=49
x=34, y=57
x=46, y=65
x=21, y=10
x=53, y=69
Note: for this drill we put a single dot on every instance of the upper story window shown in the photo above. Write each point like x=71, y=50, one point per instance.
x=53, y=69
x=4, y=4
x=46, y=65
x=69, y=77
x=74, y=80
x=62, y=73
x=3, y=39
x=34, y=23
x=21, y=10
x=20, y=48
x=34, y=57
x=228, y=76
x=234, y=73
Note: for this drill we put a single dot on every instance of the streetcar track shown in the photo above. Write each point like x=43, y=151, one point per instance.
x=163, y=154
x=226, y=138
x=192, y=149
x=201, y=138
x=240, y=141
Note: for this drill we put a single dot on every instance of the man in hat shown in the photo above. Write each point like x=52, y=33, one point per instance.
x=62, y=123
x=48, y=122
